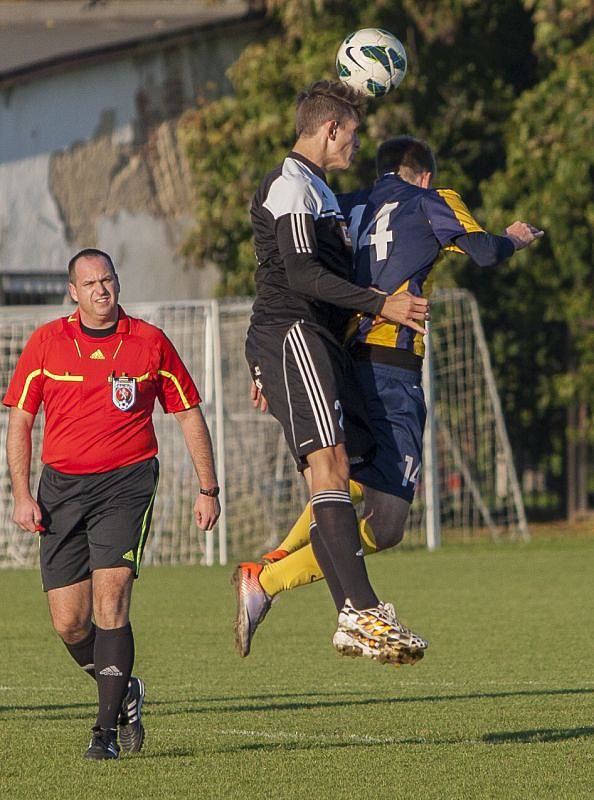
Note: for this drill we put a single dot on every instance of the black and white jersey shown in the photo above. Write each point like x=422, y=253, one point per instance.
x=305, y=266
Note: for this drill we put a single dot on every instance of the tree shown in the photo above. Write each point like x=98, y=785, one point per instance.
x=545, y=298
x=501, y=92
x=458, y=93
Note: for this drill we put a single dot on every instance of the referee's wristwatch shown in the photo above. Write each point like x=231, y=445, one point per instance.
x=214, y=492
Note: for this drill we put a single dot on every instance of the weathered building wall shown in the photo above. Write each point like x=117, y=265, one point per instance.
x=90, y=157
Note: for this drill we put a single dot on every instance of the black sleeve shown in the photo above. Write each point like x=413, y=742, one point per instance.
x=310, y=278
x=296, y=238
x=485, y=249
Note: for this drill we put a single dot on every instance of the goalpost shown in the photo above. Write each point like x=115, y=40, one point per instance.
x=468, y=486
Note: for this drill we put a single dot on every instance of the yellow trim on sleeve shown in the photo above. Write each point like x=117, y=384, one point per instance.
x=28, y=380
x=51, y=375
x=177, y=386
x=460, y=209
x=144, y=377
x=453, y=248
x=77, y=349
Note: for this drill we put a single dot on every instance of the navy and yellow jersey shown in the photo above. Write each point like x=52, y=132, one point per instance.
x=398, y=231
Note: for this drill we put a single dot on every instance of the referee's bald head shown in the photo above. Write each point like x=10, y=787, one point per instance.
x=88, y=252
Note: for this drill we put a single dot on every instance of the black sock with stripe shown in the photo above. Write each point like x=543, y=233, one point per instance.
x=327, y=567
x=338, y=532
x=83, y=652
x=114, y=658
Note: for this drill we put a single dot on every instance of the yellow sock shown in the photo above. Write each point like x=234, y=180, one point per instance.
x=301, y=568
x=298, y=536
x=297, y=569
x=367, y=537
x=356, y=492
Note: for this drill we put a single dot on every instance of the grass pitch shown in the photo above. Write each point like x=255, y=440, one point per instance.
x=502, y=706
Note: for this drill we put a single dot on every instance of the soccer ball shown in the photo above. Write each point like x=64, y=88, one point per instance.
x=372, y=61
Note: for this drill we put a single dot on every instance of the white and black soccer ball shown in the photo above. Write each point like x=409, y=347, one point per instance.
x=372, y=61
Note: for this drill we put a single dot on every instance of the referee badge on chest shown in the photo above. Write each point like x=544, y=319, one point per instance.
x=123, y=392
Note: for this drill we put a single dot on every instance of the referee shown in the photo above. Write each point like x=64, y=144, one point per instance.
x=98, y=373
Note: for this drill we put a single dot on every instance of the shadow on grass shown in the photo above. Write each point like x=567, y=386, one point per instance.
x=239, y=703
x=53, y=708
x=539, y=735
x=47, y=707
x=324, y=742
x=341, y=702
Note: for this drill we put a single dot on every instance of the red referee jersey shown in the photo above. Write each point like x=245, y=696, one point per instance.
x=98, y=393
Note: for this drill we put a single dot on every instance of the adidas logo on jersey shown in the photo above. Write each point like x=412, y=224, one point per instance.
x=111, y=672
x=97, y=354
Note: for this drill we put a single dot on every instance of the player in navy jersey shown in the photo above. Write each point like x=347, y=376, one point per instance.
x=304, y=298
x=399, y=228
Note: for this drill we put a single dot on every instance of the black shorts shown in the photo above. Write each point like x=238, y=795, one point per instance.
x=308, y=380
x=94, y=521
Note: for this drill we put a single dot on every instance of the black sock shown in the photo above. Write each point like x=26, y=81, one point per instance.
x=114, y=657
x=337, y=527
x=327, y=567
x=83, y=652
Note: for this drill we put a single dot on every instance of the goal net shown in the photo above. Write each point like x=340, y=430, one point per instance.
x=468, y=487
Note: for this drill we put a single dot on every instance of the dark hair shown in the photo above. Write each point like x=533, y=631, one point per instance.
x=87, y=251
x=406, y=156
x=324, y=101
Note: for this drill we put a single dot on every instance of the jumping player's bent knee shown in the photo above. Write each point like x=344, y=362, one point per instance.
x=388, y=537
x=387, y=515
x=329, y=468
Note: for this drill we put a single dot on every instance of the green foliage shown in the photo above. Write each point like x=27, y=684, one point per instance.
x=542, y=326
x=457, y=93
x=501, y=90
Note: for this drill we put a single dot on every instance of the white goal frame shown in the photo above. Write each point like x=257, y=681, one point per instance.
x=468, y=486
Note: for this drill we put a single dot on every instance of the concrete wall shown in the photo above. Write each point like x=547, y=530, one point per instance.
x=90, y=157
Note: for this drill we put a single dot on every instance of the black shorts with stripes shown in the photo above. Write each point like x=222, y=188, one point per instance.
x=308, y=380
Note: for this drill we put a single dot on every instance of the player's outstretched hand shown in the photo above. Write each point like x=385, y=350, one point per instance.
x=522, y=234
x=406, y=309
x=207, y=511
x=258, y=399
x=27, y=515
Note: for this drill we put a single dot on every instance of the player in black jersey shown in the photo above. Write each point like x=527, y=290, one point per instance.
x=305, y=296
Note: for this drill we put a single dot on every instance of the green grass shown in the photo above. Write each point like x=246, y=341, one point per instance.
x=501, y=707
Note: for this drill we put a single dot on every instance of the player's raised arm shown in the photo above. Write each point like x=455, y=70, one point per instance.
x=457, y=230
x=522, y=234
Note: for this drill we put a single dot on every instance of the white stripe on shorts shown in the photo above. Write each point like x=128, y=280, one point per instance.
x=312, y=385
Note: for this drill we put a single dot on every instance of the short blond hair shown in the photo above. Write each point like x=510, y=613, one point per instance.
x=325, y=101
